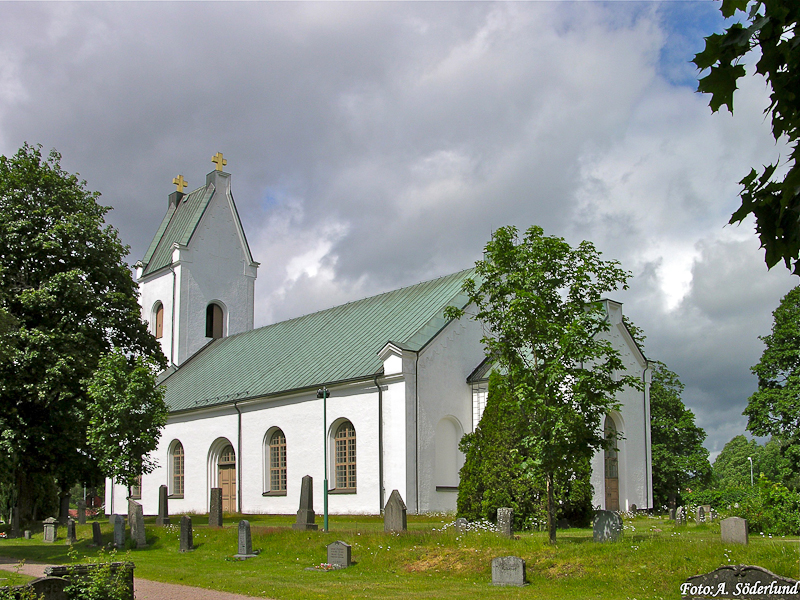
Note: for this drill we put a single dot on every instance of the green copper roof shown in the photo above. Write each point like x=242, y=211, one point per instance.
x=177, y=226
x=334, y=345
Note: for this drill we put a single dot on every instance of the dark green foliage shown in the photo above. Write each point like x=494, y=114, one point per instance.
x=497, y=471
x=774, y=409
x=771, y=508
x=732, y=467
x=679, y=459
x=770, y=32
x=70, y=295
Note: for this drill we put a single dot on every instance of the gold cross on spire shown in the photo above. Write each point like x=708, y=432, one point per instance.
x=219, y=161
x=180, y=182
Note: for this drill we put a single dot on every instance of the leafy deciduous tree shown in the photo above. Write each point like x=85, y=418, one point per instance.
x=732, y=467
x=771, y=31
x=64, y=283
x=127, y=412
x=774, y=409
x=539, y=301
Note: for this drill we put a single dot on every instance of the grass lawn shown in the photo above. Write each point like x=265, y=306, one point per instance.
x=652, y=560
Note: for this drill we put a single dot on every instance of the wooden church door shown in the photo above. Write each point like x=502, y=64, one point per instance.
x=227, y=479
x=611, y=467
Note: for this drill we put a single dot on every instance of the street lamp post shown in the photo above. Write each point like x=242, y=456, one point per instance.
x=750, y=458
x=323, y=393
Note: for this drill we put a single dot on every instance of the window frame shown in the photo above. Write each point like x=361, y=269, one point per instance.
x=345, y=447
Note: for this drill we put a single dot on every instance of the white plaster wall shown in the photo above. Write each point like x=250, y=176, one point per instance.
x=444, y=366
x=158, y=288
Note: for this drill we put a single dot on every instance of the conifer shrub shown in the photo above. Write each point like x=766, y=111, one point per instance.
x=500, y=472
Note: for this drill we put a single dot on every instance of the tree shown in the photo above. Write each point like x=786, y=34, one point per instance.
x=770, y=31
x=539, y=301
x=127, y=412
x=732, y=467
x=774, y=409
x=71, y=297
x=679, y=458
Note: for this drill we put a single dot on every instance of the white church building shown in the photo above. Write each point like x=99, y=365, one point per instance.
x=403, y=385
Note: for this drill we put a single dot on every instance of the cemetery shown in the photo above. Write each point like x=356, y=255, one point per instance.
x=427, y=556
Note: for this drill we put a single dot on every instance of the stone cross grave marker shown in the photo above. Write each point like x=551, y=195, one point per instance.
x=163, y=507
x=119, y=531
x=186, y=534
x=740, y=581
x=505, y=521
x=50, y=530
x=734, y=530
x=71, y=536
x=81, y=512
x=508, y=570
x=97, y=535
x=394, y=513
x=245, y=541
x=607, y=526
x=305, y=514
x=339, y=554
x=700, y=515
x=137, y=524
x=215, y=508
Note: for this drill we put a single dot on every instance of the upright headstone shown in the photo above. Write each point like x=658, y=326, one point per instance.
x=339, y=554
x=215, y=508
x=607, y=526
x=186, y=534
x=71, y=536
x=50, y=530
x=50, y=588
x=14, y=522
x=63, y=513
x=245, y=542
x=505, y=520
x=305, y=514
x=28, y=534
x=394, y=513
x=461, y=524
x=700, y=515
x=671, y=514
x=97, y=535
x=634, y=508
x=81, y=512
x=734, y=530
x=163, y=506
x=119, y=531
x=680, y=516
x=740, y=581
x=508, y=570
x=137, y=524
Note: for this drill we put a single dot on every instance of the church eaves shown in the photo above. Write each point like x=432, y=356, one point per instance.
x=336, y=345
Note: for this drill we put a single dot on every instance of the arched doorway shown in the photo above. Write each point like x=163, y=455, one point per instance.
x=227, y=478
x=611, y=466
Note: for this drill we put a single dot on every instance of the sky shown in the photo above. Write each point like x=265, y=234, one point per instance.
x=376, y=145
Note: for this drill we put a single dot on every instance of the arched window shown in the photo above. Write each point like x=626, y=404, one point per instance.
x=277, y=462
x=176, y=469
x=159, y=321
x=447, y=457
x=345, y=456
x=214, y=321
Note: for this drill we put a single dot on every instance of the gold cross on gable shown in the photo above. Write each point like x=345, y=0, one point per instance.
x=219, y=161
x=180, y=182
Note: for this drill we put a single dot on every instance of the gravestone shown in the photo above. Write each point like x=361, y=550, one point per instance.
x=81, y=512
x=122, y=572
x=607, y=526
x=680, y=516
x=671, y=514
x=137, y=523
x=71, y=537
x=49, y=588
x=186, y=534
x=63, y=513
x=508, y=570
x=707, y=511
x=461, y=524
x=339, y=554
x=505, y=518
x=28, y=534
x=739, y=581
x=50, y=530
x=394, y=513
x=700, y=515
x=305, y=514
x=215, y=508
x=245, y=542
x=163, y=506
x=634, y=508
x=119, y=531
x=734, y=530
x=97, y=535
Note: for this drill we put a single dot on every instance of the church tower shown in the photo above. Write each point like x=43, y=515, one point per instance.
x=196, y=281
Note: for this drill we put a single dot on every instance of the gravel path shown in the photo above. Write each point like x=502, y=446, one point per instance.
x=144, y=589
